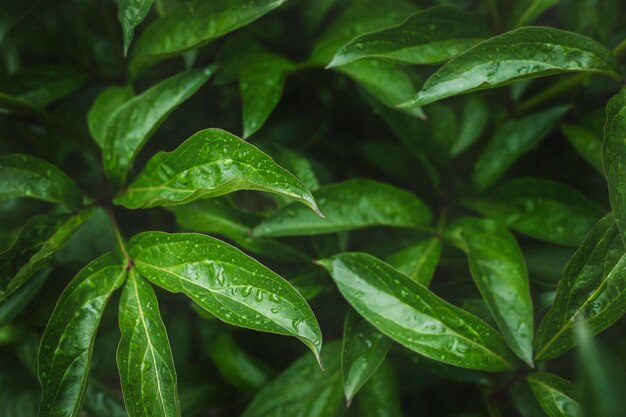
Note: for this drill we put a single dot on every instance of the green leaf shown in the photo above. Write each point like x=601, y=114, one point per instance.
x=542, y=209
x=211, y=163
x=512, y=140
x=585, y=143
x=473, y=123
x=229, y=284
x=591, y=290
x=363, y=351
x=413, y=316
x=132, y=124
x=498, y=268
x=130, y=14
x=349, y=205
x=102, y=402
x=418, y=261
x=144, y=356
x=524, y=53
x=42, y=85
x=558, y=397
x=26, y=176
x=302, y=390
x=525, y=11
x=40, y=238
x=220, y=216
x=103, y=108
x=241, y=370
x=19, y=299
x=67, y=343
x=193, y=24
x=426, y=37
x=380, y=397
x=294, y=162
x=614, y=157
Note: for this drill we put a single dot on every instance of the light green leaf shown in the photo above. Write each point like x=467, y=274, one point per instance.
x=591, y=290
x=67, y=343
x=542, y=209
x=103, y=108
x=512, y=140
x=27, y=176
x=498, y=268
x=524, y=53
x=192, y=25
x=614, y=157
x=557, y=396
x=349, y=205
x=42, y=85
x=426, y=37
x=144, y=356
x=413, y=316
x=418, y=261
x=220, y=216
x=132, y=124
x=585, y=143
x=302, y=390
x=40, y=238
x=294, y=162
x=130, y=14
x=525, y=11
x=229, y=284
x=211, y=163
x=380, y=396
x=363, y=350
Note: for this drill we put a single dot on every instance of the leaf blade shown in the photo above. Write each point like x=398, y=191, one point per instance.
x=557, y=396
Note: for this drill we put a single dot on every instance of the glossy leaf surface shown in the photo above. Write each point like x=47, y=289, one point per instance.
x=591, y=290
x=67, y=343
x=542, y=209
x=512, y=140
x=418, y=261
x=133, y=123
x=614, y=157
x=103, y=108
x=193, y=24
x=211, y=163
x=413, y=316
x=426, y=37
x=27, y=176
x=229, y=284
x=498, y=268
x=144, y=356
x=303, y=390
x=524, y=53
x=130, y=14
x=349, y=205
x=363, y=350
x=557, y=396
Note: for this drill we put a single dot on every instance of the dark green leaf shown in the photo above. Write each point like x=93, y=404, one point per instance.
x=102, y=402
x=499, y=270
x=614, y=157
x=426, y=37
x=512, y=140
x=302, y=390
x=528, y=52
x=192, y=25
x=474, y=119
x=27, y=176
x=418, y=261
x=363, y=350
x=294, y=162
x=103, y=108
x=591, y=290
x=130, y=14
x=133, y=123
x=144, y=356
x=413, y=316
x=586, y=143
x=226, y=282
x=557, y=396
x=349, y=205
x=379, y=397
x=67, y=343
x=19, y=299
x=525, y=11
x=545, y=210
x=209, y=164
x=42, y=85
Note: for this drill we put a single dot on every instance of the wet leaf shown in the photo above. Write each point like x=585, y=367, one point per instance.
x=498, y=268
x=524, y=53
x=229, y=284
x=557, y=396
x=211, y=163
x=67, y=343
x=103, y=108
x=349, y=205
x=614, y=157
x=27, y=176
x=130, y=14
x=418, y=261
x=413, y=316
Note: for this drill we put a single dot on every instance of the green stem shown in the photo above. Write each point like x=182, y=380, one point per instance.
x=118, y=235
x=620, y=49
